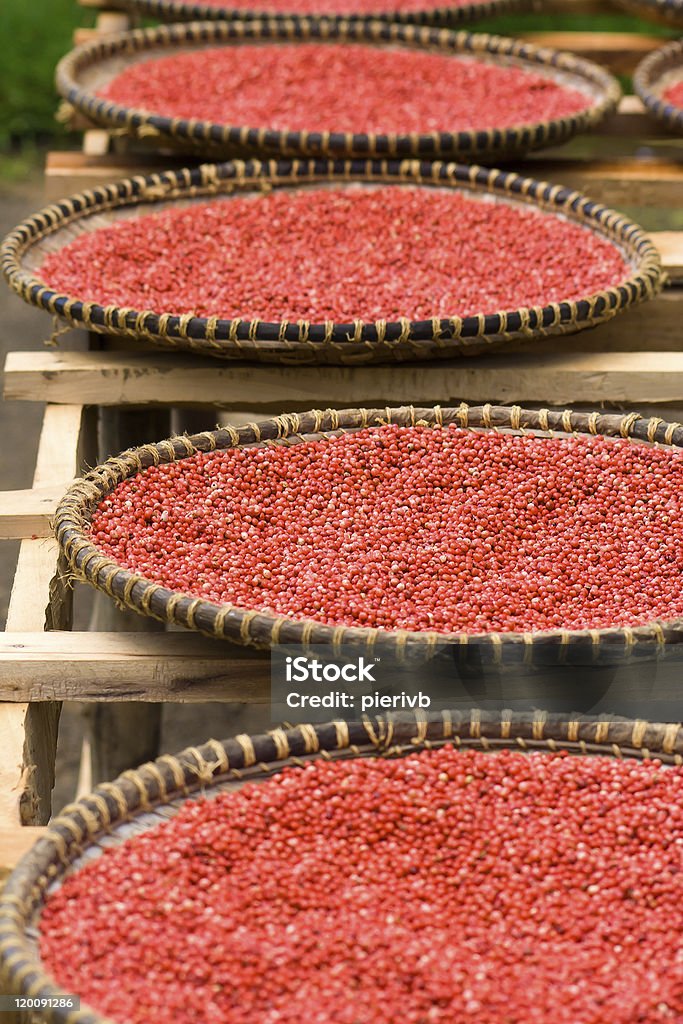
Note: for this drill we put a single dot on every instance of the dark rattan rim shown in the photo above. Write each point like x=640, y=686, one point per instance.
x=441, y=15
x=263, y=630
x=82, y=824
x=330, y=342
x=647, y=82
x=223, y=137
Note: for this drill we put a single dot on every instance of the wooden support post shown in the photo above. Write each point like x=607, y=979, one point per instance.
x=40, y=600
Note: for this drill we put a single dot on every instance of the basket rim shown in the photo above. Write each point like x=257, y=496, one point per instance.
x=306, y=28
x=647, y=78
x=262, y=630
x=329, y=339
x=169, y=778
x=440, y=14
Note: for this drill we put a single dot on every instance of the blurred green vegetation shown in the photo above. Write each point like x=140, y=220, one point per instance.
x=34, y=34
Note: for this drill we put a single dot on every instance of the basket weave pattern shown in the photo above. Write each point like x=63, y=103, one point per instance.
x=223, y=138
x=329, y=342
x=441, y=15
x=648, y=82
x=262, y=630
x=169, y=781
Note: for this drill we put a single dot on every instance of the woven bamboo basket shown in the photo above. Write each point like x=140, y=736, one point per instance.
x=92, y=66
x=139, y=800
x=654, y=75
x=440, y=14
x=327, y=342
x=263, y=630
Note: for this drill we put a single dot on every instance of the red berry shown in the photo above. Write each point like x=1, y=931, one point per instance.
x=415, y=253
x=674, y=94
x=415, y=528
x=305, y=87
x=444, y=886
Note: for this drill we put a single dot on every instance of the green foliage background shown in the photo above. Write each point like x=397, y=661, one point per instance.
x=34, y=34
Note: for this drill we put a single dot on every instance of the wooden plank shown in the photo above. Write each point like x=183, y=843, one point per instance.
x=620, y=52
x=670, y=245
x=179, y=667
x=562, y=378
x=40, y=599
x=105, y=23
x=14, y=843
x=27, y=514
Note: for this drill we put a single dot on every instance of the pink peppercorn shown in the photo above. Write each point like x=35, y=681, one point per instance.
x=445, y=886
x=308, y=87
x=415, y=528
x=342, y=254
x=674, y=94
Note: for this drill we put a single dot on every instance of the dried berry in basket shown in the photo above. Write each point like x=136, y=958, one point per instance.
x=446, y=886
x=340, y=254
x=343, y=88
x=415, y=527
x=674, y=94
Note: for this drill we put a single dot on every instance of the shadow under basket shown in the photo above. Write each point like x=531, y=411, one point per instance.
x=511, y=650
x=140, y=800
x=332, y=343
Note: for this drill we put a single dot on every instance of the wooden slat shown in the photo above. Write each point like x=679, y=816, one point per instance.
x=670, y=245
x=563, y=378
x=618, y=51
x=26, y=514
x=14, y=843
x=88, y=666
x=105, y=23
x=40, y=599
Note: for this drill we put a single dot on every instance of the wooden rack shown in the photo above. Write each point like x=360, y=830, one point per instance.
x=636, y=360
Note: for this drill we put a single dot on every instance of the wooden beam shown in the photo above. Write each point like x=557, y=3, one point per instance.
x=620, y=52
x=180, y=667
x=105, y=23
x=566, y=377
x=27, y=514
x=14, y=843
x=40, y=600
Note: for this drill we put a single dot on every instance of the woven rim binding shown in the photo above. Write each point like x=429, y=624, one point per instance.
x=263, y=630
x=172, y=780
x=187, y=10
x=211, y=137
x=650, y=79
x=330, y=342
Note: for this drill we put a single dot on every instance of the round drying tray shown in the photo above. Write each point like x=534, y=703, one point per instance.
x=264, y=629
x=329, y=342
x=140, y=800
x=428, y=14
x=654, y=76
x=89, y=68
